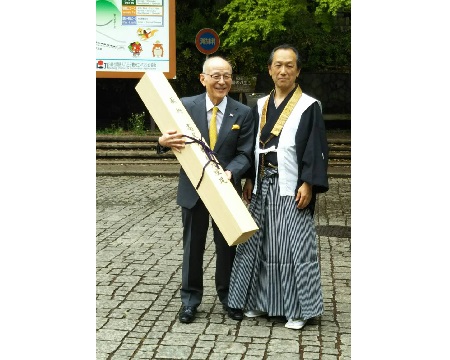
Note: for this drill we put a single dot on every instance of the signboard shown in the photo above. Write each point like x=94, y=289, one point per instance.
x=135, y=36
x=243, y=84
x=207, y=41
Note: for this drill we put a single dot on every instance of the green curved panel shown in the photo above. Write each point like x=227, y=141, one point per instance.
x=106, y=11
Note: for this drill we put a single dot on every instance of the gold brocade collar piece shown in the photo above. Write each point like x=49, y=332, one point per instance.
x=284, y=115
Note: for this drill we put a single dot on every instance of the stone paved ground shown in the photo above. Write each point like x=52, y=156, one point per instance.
x=139, y=249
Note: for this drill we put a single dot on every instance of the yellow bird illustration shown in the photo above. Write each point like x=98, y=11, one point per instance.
x=146, y=34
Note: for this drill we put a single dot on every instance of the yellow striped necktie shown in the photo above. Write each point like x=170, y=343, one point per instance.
x=213, y=128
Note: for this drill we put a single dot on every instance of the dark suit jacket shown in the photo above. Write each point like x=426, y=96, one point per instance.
x=233, y=147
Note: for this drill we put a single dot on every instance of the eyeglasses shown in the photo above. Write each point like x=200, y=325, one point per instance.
x=217, y=77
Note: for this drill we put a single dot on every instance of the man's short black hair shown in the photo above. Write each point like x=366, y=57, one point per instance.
x=285, y=46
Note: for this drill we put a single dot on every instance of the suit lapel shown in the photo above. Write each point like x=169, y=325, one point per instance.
x=199, y=116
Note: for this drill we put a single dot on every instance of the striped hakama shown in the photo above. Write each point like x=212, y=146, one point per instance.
x=277, y=270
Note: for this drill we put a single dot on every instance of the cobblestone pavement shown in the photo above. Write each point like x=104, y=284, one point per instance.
x=139, y=251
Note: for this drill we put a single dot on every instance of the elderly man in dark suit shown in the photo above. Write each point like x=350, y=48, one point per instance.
x=233, y=147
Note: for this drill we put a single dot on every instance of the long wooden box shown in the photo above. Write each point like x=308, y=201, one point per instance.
x=216, y=191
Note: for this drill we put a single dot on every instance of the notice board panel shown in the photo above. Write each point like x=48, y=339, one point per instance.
x=135, y=36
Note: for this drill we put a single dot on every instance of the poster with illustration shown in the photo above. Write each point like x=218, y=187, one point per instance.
x=133, y=35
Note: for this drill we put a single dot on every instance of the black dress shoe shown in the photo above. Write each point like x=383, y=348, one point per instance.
x=187, y=314
x=235, y=314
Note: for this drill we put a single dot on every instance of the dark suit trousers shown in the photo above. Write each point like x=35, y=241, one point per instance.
x=195, y=228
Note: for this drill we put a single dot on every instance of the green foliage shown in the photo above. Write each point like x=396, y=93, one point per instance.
x=261, y=25
x=136, y=122
x=332, y=6
x=113, y=130
x=255, y=20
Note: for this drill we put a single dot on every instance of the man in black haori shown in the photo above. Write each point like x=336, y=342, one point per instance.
x=277, y=271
